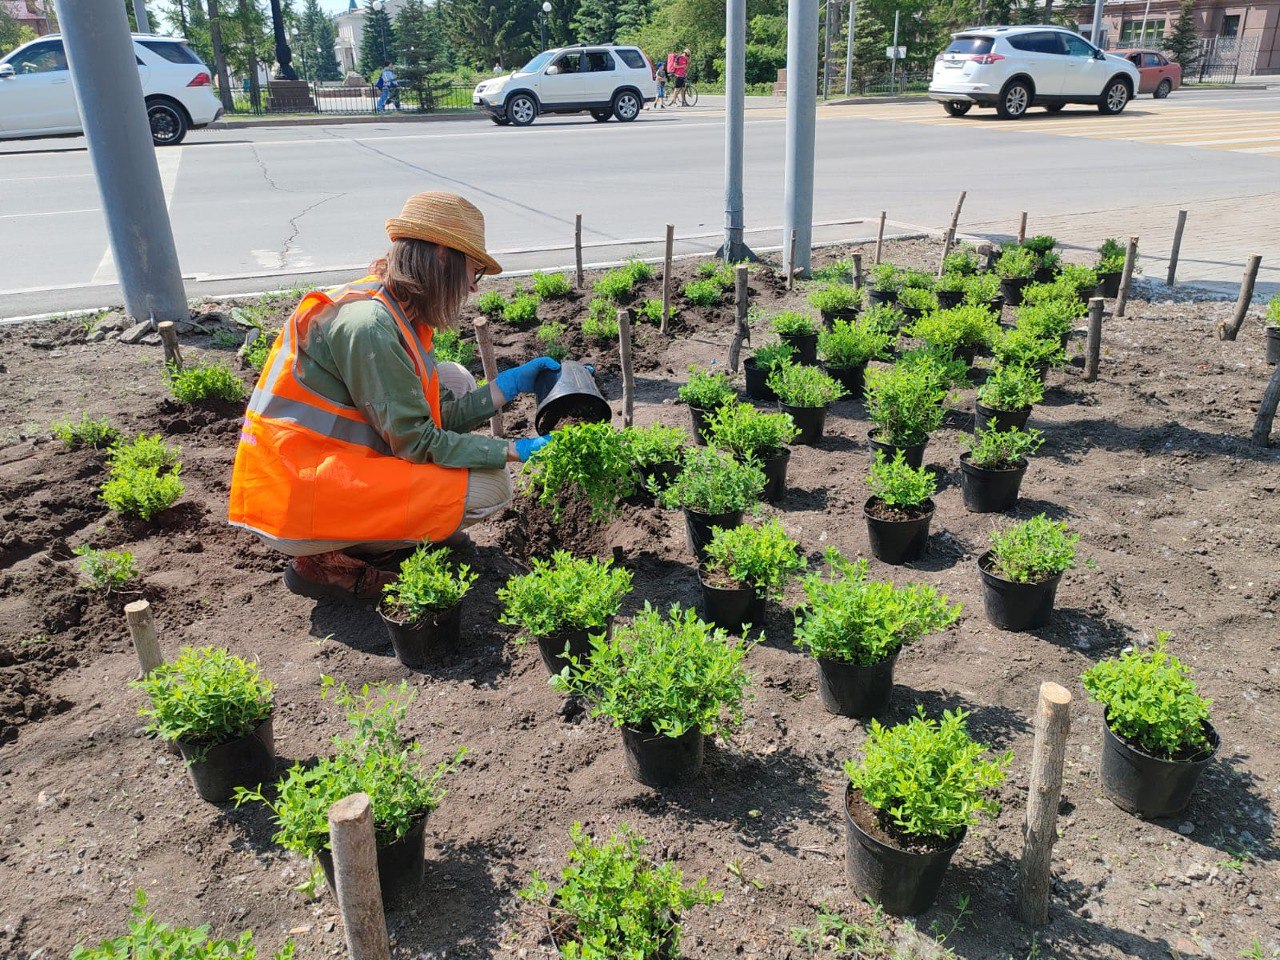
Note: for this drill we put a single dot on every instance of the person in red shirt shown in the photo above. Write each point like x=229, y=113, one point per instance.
x=679, y=74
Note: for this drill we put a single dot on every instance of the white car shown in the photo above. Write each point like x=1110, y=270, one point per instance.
x=37, y=100
x=1016, y=68
x=605, y=81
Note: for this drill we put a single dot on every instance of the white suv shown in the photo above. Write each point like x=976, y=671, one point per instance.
x=603, y=80
x=1016, y=68
x=37, y=99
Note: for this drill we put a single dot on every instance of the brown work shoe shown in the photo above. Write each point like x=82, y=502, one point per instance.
x=336, y=576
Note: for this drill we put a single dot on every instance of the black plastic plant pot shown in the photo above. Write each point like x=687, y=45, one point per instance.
x=401, y=865
x=659, y=475
x=1044, y=274
x=658, y=761
x=853, y=379
x=829, y=317
x=1003, y=419
x=883, y=298
x=731, y=608
x=568, y=394
x=775, y=473
x=1273, y=345
x=1145, y=785
x=1011, y=289
x=1109, y=284
x=417, y=643
x=757, y=381
x=699, y=528
x=577, y=640
x=912, y=454
x=1016, y=606
x=246, y=761
x=855, y=690
x=949, y=298
x=904, y=882
x=989, y=491
x=968, y=353
x=698, y=421
x=810, y=421
x=996, y=304
x=804, y=345
x=911, y=313
x=898, y=541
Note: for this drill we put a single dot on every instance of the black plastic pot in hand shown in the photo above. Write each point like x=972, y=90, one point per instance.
x=757, y=381
x=698, y=420
x=577, y=640
x=905, y=883
x=246, y=761
x=829, y=317
x=1011, y=289
x=1273, y=345
x=775, y=473
x=912, y=454
x=855, y=690
x=568, y=394
x=1016, y=606
x=898, y=541
x=810, y=421
x=699, y=528
x=1148, y=786
x=658, y=761
x=804, y=345
x=418, y=643
x=401, y=865
x=949, y=298
x=1109, y=284
x=1003, y=419
x=989, y=491
x=853, y=379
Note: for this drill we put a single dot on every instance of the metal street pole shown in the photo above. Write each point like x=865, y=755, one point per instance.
x=108, y=92
x=802, y=105
x=140, y=15
x=1096, y=31
x=848, y=50
x=826, y=50
x=735, y=75
x=893, y=64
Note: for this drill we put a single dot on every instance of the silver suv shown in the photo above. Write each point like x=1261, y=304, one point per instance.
x=605, y=81
x=1016, y=68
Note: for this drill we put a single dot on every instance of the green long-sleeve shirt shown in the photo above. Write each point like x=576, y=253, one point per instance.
x=357, y=360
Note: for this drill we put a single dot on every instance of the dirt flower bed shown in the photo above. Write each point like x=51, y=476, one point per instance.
x=1151, y=465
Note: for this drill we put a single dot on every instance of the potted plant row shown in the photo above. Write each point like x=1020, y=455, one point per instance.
x=705, y=392
x=800, y=333
x=755, y=436
x=422, y=606
x=991, y=471
x=805, y=392
x=846, y=348
x=1006, y=397
x=714, y=489
x=899, y=510
x=906, y=403
x=757, y=368
x=1021, y=571
x=746, y=566
x=835, y=302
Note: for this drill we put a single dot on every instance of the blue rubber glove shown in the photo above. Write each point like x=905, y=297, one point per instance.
x=520, y=379
x=529, y=446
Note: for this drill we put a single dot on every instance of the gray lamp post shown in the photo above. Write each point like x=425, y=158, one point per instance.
x=542, y=19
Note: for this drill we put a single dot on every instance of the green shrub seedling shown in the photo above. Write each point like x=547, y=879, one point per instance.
x=838, y=272
x=916, y=279
x=650, y=311
x=1111, y=256
x=996, y=449
x=587, y=462
x=707, y=389
x=832, y=297
x=769, y=355
x=905, y=404
x=955, y=329
x=749, y=432
x=1273, y=312
x=205, y=381
x=1039, y=245
x=713, y=481
x=655, y=444
x=549, y=333
x=86, y=432
x=601, y=321
x=962, y=261
x=427, y=583
x=800, y=385
x=790, y=323
x=898, y=484
x=491, y=303
x=1081, y=281
x=702, y=293
x=764, y=558
x=853, y=343
x=1011, y=387
x=951, y=283
x=1033, y=550
x=1052, y=318
x=107, y=570
x=206, y=696
x=1016, y=263
x=721, y=274
x=449, y=347
x=522, y=310
x=615, y=285
x=886, y=278
x=566, y=592
x=920, y=299
x=550, y=286
x=882, y=318
x=1024, y=348
x=980, y=289
x=143, y=477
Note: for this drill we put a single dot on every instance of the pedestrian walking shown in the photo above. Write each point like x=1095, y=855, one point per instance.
x=386, y=85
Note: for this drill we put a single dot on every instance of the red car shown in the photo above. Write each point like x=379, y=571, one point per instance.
x=1160, y=75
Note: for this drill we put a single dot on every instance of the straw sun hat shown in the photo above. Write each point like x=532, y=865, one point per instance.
x=447, y=219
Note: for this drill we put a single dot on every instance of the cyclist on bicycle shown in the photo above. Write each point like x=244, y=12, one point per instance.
x=680, y=72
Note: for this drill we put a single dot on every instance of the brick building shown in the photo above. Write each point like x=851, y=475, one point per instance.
x=31, y=14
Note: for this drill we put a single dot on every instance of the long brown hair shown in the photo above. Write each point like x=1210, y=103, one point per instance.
x=430, y=281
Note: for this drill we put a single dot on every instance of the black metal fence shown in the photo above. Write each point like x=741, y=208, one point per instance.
x=1217, y=59
x=337, y=98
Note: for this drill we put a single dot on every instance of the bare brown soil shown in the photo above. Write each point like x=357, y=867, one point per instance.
x=1151, y=465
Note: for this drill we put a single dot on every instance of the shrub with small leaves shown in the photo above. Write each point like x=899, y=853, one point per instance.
x=583, y=461
x=942, y=370
x=1039, y=245
x=1111, y=256
x=549, y=333
x=1016, y=263
x=749, y=432
x=1050, y=260
x=1081, y=281
x=956, y=329
x=839, y=272
x=1152, y=702
x=1058, y=290
x=800, y=385
x=143, y=477
x=885, y=278
x=882, y=318
x=449, y=347
x=707, y=389
x=905, y=404
x=86, y=432
x=791, y=323
x=655, y=444
x=650, y=311
x=713, y=482
x=769, y=356
x=1052, y=319
x=427, y=583
x=107, y=570
x=916, y=279
x=834, y=297
x=198, y=382
x=918, y=299
x=1011, y=387
x=258, y=351
x=639, y=271
x=852, y=343
x=1022, y=347
x=927, y=777
x=898, y=484
x=980, y=289
x=563, y=593
x=701, y=293
x=764, y=558
x=522, y=310
x=996, y=449
x=951, y=283
x=1273, y=312
x=721, y=274
x=550, y=286
x=963, y=260
x=851, y=619
x=1034, y=550
x=601, y=321
x=491, y=303
x=614, y=286
x=613, y=903
x=206, y=696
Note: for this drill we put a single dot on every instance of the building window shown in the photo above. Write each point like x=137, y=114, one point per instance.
x=1132, y=31
x=1230, y=25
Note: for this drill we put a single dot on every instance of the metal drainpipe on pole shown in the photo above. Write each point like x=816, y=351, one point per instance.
x=848, y=50
x=109, y=94
x=802, y=104
x=735, y=69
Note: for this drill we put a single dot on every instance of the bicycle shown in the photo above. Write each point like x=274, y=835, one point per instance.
x=672, y=96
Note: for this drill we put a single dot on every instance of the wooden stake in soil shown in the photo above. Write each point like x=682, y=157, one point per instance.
x=484, y=339
x=628, y=377
x=857, y=271
x=666, y=278
x=1093, y=344
x=1228, y=330
x=950, y=239
x=1053, y=723
x=791, y=262
x=1177, y=246
x=1126, y=277
x=142, y=628
x=1267, y=410
x=880, y=238
x=355, y=872
x=577, y=247
x=1022, y=227
x=742, y=330
x=169, y=337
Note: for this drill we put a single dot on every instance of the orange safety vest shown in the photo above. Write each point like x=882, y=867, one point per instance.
x=310, y=469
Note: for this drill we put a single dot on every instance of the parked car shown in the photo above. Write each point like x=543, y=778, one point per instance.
x=37, y=99
x=1160, y=75
x=1016, y=68
x=605, y=81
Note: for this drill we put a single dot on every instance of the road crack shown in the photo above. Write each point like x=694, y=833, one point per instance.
x=294, y=228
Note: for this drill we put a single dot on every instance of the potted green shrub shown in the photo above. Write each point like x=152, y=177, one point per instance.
x=612, y=901
x=757, y=367
x=991, y=471
x=562, y=602
x=745, y=566
x=1051, y=317
x=1021, y=571
x=1273, y=330
x=1016, y=268
x=422, y=606
x=656, y=452
x=714, y=489
x=899, y=509
x=959, y=332
x=216, y=708
x=805, y=392
x=1022, y=347
x=983, y=290
x=915, y=302
x=910, y=802
x=962, y=262
x=1111, y=256
x=799, y=332
x=1006, y=398
x=884, y=318
x=1046, y=258
x=835, y=301
x=753, y=435
x=705, y=392
x=906, y=404
x=885, y=282
x=854, y=628
x=1080, y=280
x=584, y=462
x=372, y=759
x=847, y=347
x=667, y=682
x=1156, y=735
x=949, y=289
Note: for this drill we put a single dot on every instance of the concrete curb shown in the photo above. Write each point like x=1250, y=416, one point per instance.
x=343, y=118
x=855, y=101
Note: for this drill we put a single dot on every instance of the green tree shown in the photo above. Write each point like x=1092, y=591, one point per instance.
x=600, y=21
x=486, y=33
x=315, y=35
x=378, y=44
x=421, y=50
x=12, y=33
x=1183, y=44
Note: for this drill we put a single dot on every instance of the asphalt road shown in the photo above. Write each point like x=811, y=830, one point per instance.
x=271, y=207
